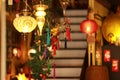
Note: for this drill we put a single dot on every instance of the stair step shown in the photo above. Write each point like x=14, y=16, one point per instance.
x=76, y=12
x=68, y=62
x=66, y=72
x=74, y=36
x=74, y=44
x=70, y=54
x=74, y=19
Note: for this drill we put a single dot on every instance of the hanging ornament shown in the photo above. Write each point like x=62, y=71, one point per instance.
x=88, y=26
x=67, y=29
x=45, y=50
x=55, y=41
x=17, y=7
x=54, y=49
x=48, y=36
x=55, y=31
x=68, y=36
x=44, y=77
x=55, y=44
x=54, y=70
x=40, y=25
x=48, y=67
x=31, y=51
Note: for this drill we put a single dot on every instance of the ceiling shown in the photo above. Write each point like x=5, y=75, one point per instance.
x=110, y=4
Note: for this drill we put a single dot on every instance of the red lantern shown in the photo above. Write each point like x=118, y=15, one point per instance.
x=88, y=26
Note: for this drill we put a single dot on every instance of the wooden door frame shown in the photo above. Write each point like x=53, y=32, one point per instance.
x=2, y=40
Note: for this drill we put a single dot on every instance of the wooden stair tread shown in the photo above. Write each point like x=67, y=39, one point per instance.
x=66, y=72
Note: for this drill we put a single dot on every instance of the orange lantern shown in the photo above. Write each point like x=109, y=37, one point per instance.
x=88, y=26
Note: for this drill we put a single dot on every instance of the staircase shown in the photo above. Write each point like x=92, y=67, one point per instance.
x=69, y=60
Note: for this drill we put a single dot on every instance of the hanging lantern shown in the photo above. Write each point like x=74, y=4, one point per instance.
x=40, y=15
x=24, y=24
x=111, y=28
x=88, y=26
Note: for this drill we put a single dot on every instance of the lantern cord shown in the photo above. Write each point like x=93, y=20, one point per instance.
x=26, y=4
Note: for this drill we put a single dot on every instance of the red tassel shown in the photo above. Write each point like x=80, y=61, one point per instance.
x=68, y=36
x=54, y=49
x=44, y=77
x=67, y=29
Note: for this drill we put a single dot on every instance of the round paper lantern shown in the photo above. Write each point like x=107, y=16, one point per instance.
x=88, y=26
x=111, y=28
x=24, y=24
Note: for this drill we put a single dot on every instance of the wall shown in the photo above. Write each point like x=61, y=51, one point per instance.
x=101, y=11
x=115, y=54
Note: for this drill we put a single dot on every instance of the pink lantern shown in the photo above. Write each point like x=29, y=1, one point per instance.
x=88, y=26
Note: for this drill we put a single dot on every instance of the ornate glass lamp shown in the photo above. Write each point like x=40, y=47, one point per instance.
x=24, y=24
x=40, y=15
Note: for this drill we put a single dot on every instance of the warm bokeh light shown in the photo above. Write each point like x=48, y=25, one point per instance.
x=21, y=77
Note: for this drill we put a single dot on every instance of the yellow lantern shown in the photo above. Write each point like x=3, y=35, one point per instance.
x=24, y=24
x=111, y=28
x=40, y=15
